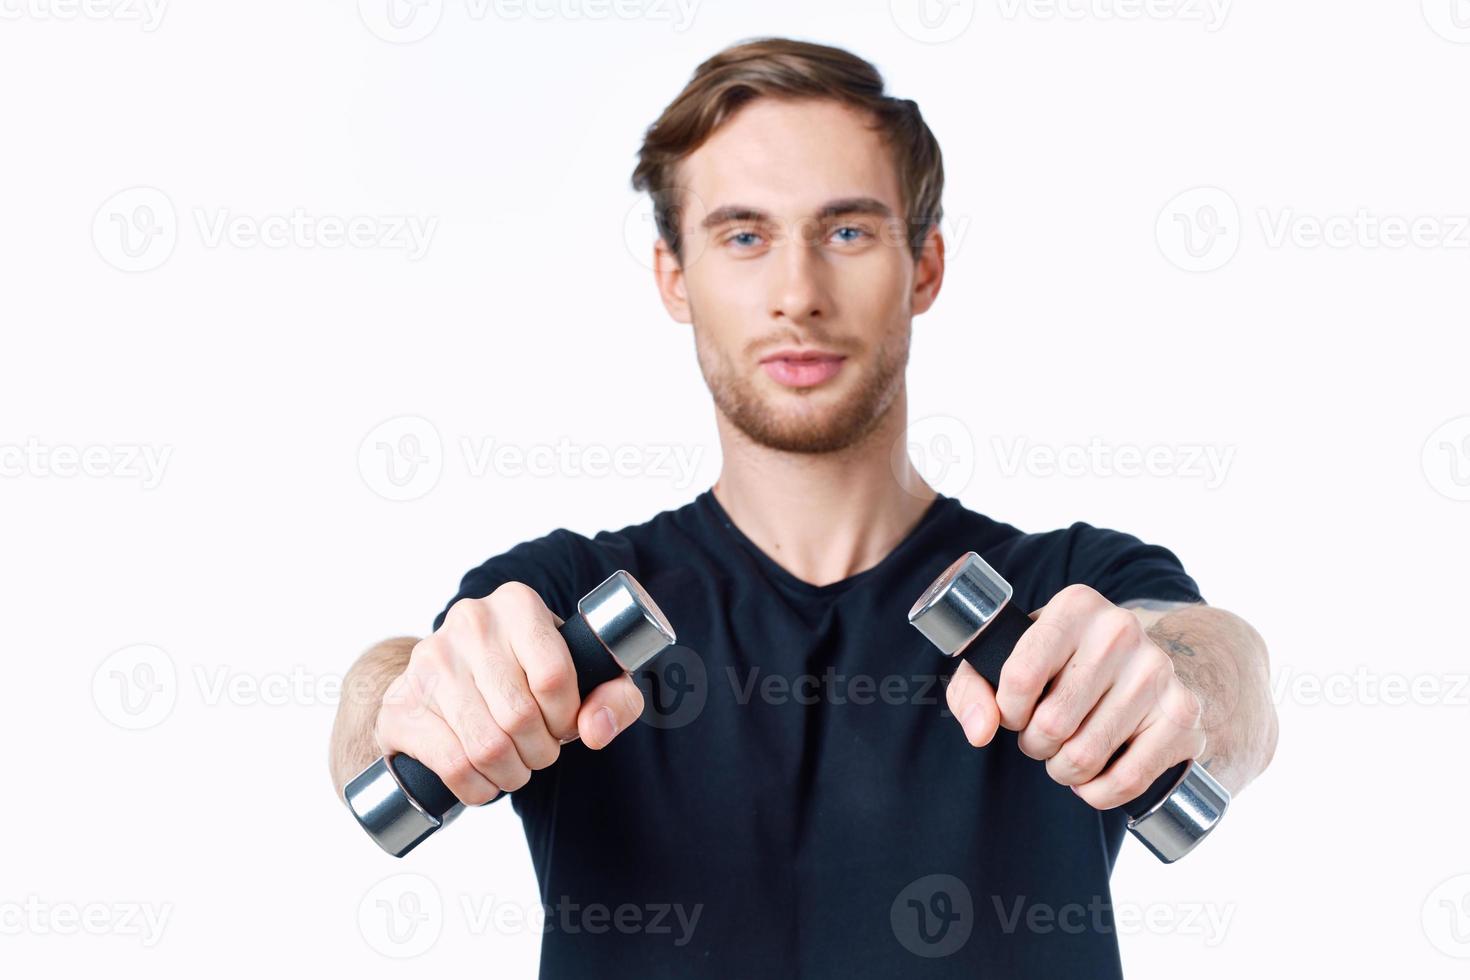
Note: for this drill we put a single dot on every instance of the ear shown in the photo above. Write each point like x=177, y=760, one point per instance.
x=668, y=275
x=928, y=272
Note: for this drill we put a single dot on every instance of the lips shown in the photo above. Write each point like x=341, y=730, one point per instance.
x=802, y=369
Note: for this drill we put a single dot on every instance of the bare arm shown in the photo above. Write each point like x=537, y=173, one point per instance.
x=1219, y=657
x=353, y=745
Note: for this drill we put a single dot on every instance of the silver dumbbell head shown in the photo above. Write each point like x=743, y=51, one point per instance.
x=627, y=620
x=1183, y=818
x=960, y=603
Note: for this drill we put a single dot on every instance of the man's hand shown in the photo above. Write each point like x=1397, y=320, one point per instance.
x=492, y=696
x=1083, y=680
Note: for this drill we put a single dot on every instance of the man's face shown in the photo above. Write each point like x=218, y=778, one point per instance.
x=794, y=241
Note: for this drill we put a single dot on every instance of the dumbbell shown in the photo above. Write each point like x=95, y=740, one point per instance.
x=617, y=629
x=966, y=612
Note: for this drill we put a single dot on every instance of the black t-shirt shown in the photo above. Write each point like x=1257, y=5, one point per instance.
x=797, y=800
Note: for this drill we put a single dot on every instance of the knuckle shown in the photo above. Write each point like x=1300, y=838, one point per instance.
x=1080, y=757
x=548, y=677
x=1050, y=723
x=487, y=749
x=1121, y=626
x=1079, y=596
x=468, y=618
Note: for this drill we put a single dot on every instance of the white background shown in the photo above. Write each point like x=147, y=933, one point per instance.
x=267, y=554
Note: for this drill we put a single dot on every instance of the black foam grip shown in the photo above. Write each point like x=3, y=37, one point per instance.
x=988, y=653
x=594, y=666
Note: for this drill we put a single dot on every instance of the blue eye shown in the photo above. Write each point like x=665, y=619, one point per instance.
x=744, y=238
x=857, y=232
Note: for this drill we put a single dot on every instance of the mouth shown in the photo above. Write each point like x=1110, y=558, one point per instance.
x=796, y=368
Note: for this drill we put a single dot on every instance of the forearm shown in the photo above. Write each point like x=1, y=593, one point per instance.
x=353, y=745
x=1219, y=657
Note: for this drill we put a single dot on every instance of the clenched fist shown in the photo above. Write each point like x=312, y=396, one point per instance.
x=1083, y=680
x=492, y=696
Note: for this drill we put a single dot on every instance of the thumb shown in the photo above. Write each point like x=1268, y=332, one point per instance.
x=972, y=701
x=608, y=710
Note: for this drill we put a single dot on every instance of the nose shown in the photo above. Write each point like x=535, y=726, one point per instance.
x=801, y=291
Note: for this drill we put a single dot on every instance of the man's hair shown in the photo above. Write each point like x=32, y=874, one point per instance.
x=779, y=67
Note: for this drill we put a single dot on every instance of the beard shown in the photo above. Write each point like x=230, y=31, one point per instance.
x=805, y=420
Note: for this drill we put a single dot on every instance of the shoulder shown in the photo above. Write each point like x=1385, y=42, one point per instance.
x=1120, y=565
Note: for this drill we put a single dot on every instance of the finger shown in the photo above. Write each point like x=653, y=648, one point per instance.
x=1070, y=697
x=425, y=736
x=1118, y=717
x=608, y=710
x=461, y=703
x=1148, y=755
x=507, y=694
x=1038, y=656
x=972, y=701
x=545, y=662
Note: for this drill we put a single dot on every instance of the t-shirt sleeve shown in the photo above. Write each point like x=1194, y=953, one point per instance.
x=547, y=564
x=1122, y=567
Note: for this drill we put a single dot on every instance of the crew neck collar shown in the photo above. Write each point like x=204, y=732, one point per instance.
x=712, y=505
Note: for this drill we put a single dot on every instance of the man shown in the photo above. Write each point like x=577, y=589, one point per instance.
x=816, y=813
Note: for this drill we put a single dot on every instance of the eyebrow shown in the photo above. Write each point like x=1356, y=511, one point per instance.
x=832, y=209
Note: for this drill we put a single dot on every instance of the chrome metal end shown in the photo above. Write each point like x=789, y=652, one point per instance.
x=388, y=813
x=960, y=603
x=627, y=620
x=1179, y=821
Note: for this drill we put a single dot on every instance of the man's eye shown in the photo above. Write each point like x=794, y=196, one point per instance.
x=848, y=234
x=744, y=239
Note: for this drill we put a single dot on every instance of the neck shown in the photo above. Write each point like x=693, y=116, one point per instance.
x=824, y=516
